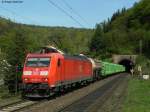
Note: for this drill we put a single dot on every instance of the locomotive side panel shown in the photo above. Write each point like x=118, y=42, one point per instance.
x=77, y=69
x=71, y=70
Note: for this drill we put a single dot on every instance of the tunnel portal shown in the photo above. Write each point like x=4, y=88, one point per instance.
x=126, y=60
x=127, y=63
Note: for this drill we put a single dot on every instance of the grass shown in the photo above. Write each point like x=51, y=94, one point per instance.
x=138, y=96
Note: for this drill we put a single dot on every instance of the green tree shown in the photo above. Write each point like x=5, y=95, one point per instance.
x=98, y=44
x=15, y=55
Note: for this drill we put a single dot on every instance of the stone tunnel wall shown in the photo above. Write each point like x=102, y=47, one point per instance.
x=118, y=58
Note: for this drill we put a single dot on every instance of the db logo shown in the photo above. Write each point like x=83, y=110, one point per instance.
x=36, y=69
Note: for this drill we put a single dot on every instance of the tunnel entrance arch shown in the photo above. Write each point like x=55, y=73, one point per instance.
x=128, y=64
x=126, y=60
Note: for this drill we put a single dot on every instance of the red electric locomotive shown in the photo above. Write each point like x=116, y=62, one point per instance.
x=51, y=71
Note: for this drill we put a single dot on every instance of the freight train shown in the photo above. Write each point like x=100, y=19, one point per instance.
x=51, y=71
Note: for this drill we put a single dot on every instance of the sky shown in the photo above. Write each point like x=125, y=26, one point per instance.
x=71, y=13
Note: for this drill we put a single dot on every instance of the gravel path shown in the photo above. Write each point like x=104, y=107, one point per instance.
x=93, y=101
x=115, y=101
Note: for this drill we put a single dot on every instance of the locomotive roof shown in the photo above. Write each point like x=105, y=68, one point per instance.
x=40, y=55
x=78, y=57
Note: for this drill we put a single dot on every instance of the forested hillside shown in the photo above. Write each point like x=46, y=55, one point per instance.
x=124, y=32
x=18, y=37
x=16, y=40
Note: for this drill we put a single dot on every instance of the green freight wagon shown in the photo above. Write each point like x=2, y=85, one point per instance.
x=111, y=68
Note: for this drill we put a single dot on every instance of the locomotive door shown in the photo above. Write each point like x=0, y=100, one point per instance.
x=60, y=71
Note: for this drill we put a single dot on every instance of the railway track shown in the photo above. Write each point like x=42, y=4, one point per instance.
x=17, y=105
x=89, y=98
x=89, y=102
x=93, y=101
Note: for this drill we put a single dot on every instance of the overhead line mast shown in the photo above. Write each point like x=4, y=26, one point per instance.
x=62, y=10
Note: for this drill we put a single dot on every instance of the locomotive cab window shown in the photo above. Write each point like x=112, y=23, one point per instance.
x=38, y=62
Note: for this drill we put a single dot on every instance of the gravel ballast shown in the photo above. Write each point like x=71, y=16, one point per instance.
x=61, y=102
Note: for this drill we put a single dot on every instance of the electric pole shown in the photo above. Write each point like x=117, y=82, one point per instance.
x=140, y=47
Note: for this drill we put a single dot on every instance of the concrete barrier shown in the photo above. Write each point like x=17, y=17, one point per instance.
x=146, y=77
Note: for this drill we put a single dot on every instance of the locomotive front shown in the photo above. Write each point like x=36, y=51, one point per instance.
x=35, y=76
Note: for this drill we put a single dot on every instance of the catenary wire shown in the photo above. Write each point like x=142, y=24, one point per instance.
x=62, y=10
x=74, y=11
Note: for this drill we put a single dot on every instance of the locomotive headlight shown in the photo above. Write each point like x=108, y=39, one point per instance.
x=25, y=79
x=27, y=73
x=45, y=73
